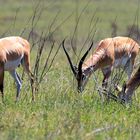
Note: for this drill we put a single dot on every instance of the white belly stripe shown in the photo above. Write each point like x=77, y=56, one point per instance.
x=121, y=62
x=10, y=65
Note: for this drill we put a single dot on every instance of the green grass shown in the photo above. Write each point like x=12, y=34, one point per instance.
x=106, y=11
x=59, y=111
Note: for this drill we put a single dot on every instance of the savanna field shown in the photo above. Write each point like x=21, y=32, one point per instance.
x=60, y=112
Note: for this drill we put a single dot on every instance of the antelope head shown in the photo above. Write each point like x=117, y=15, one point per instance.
x=80, y=74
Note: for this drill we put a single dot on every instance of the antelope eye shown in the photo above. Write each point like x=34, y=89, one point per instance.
x=83, y=77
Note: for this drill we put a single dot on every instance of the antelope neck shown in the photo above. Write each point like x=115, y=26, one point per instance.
x=88, y=70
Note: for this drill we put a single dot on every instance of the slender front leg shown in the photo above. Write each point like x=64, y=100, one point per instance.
x=1, y=81
x=129, y=70
x=18, y=82
x=106, y=73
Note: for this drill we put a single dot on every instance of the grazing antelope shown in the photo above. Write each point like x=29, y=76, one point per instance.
x=125, y=94
x=110, y=53
x=13, y=52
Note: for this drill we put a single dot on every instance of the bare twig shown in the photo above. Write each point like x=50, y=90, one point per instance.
x=99, y=130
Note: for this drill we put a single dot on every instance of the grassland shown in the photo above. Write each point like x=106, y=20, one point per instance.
x=59, y=111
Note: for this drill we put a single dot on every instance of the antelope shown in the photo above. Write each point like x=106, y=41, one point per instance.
x=110, y=53
x=128, y=89
x=14, y=51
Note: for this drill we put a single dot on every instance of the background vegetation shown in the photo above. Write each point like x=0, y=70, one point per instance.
x=59, y=111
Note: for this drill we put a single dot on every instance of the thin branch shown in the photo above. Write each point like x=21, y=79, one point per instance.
x=77, y=24
x=99, y=130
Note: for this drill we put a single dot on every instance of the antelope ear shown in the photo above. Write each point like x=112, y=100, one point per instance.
x=76, y=69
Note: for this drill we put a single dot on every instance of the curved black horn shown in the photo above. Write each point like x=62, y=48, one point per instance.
x=68, y=57
x=82, y=60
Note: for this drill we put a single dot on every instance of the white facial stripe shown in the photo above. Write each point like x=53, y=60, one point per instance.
x=11, y=65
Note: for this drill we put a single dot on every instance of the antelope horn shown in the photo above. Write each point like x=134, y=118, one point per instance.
x=82, y=60
x=68, y=57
